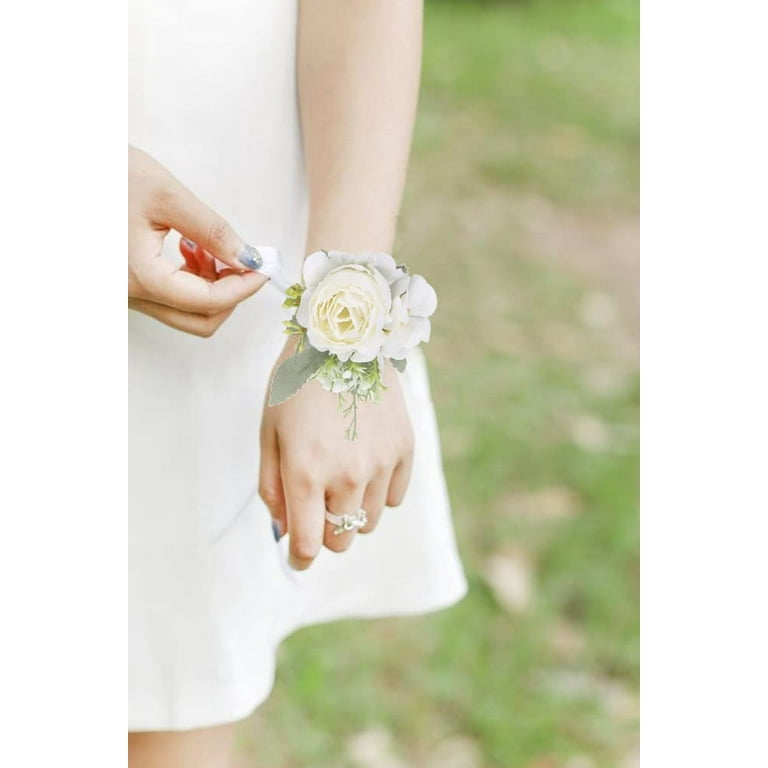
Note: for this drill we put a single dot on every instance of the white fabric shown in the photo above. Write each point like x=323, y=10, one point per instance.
x=213, y=98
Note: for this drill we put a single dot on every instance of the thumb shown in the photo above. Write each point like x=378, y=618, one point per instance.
x=190, y=216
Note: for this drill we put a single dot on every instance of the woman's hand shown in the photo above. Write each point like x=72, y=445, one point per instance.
x=196, y=299
x=307, y=465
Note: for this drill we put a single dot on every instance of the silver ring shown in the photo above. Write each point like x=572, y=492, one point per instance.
x=345, y=523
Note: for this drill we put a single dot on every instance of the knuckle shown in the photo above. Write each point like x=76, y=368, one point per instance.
x=269, y=495
x=407, y=441
x=303, y=551
x=163, y=201
x=302, y=483
x=353, y=474
x=137, y=288
x=338, y=544
x=381, y=468
x=349, y=480
x=207, y=328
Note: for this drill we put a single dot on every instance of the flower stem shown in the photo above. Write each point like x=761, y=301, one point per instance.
x=350, y=410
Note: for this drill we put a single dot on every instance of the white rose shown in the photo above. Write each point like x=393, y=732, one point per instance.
x=317, y=265
x=346, y=303
x=413, y=303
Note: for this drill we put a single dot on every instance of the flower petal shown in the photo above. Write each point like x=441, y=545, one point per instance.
x=422, y=299
x=405, y=337
x=370, y=350
x=316, y=266
x=419, y=329
x=340, y=258
x=386, y=265
x=400, y=286
x=302, y=313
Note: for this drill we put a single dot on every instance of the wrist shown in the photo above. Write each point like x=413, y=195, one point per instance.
x=351, y=234
x=289, y=348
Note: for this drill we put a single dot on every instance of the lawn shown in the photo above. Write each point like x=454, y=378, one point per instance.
x=521, y=207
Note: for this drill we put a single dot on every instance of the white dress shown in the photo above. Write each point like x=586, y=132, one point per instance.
x=213, y=98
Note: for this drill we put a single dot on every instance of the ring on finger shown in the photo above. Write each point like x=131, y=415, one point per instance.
x=345, y=523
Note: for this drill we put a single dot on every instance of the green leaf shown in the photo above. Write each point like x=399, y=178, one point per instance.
x=293, y=295
x=292, y=374
x=292, y=328
x=399, y=364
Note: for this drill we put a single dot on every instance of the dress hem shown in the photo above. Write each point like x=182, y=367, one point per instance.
x=243, y=694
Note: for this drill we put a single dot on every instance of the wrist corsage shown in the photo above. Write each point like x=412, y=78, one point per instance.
x=351, y=312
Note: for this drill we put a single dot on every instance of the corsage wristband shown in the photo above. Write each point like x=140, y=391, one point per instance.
x=351, y=312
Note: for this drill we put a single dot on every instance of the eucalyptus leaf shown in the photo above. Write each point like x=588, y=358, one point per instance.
x=292, y=374
x=399, y=364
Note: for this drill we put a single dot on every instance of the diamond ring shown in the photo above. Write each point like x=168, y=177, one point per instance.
x=346, y=523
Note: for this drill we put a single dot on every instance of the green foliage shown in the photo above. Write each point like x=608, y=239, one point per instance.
x=294, y=372
x=292, y=327
x=354, y=383
x=293, y=296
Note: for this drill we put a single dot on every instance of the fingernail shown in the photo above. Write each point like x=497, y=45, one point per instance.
x=250, y=257
x=189, y=243
x=277, y=529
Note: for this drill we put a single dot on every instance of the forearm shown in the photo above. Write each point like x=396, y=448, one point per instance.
x=358, y=76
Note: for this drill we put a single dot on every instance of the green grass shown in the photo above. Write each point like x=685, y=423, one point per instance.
x=521, y=209
x=546, y=94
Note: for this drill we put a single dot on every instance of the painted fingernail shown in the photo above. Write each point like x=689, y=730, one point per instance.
x=250, y=257
x=277, y=530
x=189, y=243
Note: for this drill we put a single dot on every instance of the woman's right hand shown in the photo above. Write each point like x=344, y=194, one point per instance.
x=188, y=300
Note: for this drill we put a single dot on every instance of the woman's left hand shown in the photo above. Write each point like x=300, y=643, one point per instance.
x=308, y=466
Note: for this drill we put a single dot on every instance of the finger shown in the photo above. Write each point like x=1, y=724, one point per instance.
x=190, y=257
x=198, y=325
x=207, y=264
x=165, y=284
x=344, y=497
x=304, y=514
x=185, y=212
x=193, y=253
x=374, y=500
x=398, y=485
x=270, y=481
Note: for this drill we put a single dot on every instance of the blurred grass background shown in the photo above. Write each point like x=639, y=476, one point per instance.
x=521, y=208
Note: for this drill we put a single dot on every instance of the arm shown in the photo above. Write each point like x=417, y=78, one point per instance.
x=358, y=73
